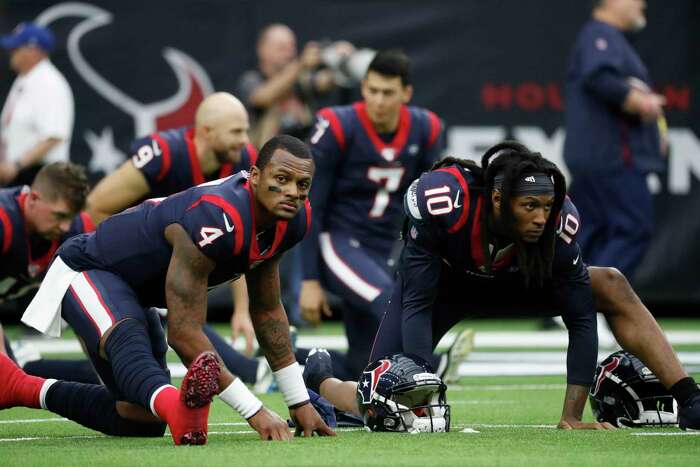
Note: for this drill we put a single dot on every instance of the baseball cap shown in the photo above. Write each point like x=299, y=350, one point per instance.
x=29, y=34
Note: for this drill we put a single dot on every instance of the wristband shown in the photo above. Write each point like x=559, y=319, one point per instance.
x=291, y=385
x=238, y=396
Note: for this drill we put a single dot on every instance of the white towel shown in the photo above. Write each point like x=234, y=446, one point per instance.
x=44, y=312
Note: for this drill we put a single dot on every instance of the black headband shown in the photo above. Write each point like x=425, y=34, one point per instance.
x=530, y=183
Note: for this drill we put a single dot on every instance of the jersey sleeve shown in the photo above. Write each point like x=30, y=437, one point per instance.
x=5, y=232
x=574, y=297
x=327, y=144
x=436, y=204
x=151, y=156
x=215, y=227
x=419, y=273
x=602, y=61
x=434, y=145
x=82, y=223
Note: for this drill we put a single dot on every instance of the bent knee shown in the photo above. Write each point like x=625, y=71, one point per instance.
x=610, y=288
x=606, y=277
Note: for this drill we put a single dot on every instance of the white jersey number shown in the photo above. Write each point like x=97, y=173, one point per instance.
x=209, y=234
x=145, y=154
x=568, y=227
x=389, y=180
x=439, y=201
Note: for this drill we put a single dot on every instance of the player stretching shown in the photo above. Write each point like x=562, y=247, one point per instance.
x=169, y=252
x=33, y=223
x=366, y=155
x=167, y=162
x=509, y=245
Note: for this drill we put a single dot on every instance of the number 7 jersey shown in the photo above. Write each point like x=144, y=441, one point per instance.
x=361, y=175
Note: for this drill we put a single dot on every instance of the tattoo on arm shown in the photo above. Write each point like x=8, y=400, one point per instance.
x=268, y=316
x=186, y=295
x=574, y=401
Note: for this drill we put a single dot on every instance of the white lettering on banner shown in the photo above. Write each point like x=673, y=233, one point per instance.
x=470, y=142
x=684, y=160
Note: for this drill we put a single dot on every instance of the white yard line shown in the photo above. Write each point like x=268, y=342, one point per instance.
x=497, y=339
x=507, y=387
x=33, y=420
x=44, y=438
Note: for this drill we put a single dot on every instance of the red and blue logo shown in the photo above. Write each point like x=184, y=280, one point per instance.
x=370, y=379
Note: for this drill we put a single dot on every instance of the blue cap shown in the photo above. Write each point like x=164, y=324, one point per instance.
x=30, y=34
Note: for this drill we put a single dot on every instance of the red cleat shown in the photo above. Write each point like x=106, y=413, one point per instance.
x=18, y=389
x=187, y=411
x=201, y=382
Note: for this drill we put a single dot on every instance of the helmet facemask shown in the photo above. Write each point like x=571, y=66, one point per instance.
x=417, y=409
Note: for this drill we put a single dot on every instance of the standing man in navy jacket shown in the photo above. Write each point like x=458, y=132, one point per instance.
x=612, y=136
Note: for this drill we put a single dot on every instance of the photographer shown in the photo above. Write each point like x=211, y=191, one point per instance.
x=281, y=93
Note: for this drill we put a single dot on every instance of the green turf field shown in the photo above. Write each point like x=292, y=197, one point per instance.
x=513, y=417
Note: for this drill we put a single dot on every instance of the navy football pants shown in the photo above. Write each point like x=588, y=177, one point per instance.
x=361, y=278
x=616, y=218
x=94, y=302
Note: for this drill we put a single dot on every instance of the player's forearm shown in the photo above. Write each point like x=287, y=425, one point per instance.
x=574, y=402
x=272, y=331
x=239, y=293
x=268, y=93
x=37, y=152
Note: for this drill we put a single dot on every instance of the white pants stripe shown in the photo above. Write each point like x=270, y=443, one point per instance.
x=91, y=303
x=344, y=272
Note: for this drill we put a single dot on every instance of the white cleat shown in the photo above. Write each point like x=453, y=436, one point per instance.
x=457, y=353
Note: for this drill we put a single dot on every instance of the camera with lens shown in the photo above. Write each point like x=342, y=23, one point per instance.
x=347, y=63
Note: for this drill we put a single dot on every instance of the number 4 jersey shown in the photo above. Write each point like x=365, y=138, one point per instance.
x=218, y=217
x=361, y=175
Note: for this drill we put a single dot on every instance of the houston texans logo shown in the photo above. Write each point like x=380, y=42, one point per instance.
x=600, y=377
x=370, y=378
x=178, y=110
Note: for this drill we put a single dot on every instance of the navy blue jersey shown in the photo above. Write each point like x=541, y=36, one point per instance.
x=599, y=135
x=24, y=258
x=443, y=255
x=169, y=161
x=361, y=176
x=444, y=208
x=217, y=216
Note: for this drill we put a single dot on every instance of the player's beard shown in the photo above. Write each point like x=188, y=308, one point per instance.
x=222, y=157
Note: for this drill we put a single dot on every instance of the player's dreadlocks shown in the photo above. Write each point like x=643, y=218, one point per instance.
x=512, y=161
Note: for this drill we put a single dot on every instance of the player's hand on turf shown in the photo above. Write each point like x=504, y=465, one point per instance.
x=312, y=302
x=579, y=425
x=270, y=426
x=241, y=324
x=308, y=422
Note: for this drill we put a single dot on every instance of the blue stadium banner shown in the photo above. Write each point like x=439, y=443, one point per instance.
x=490, y=69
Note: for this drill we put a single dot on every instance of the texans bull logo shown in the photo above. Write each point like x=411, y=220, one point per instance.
x=178, y=110
x=370, y=378
x=604, y=371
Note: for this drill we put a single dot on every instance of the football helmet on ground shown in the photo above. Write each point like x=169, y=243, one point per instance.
x=625, y=393
x=402, y=393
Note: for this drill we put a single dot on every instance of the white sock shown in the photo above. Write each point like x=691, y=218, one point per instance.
x=152, y=402
x=44, y=389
